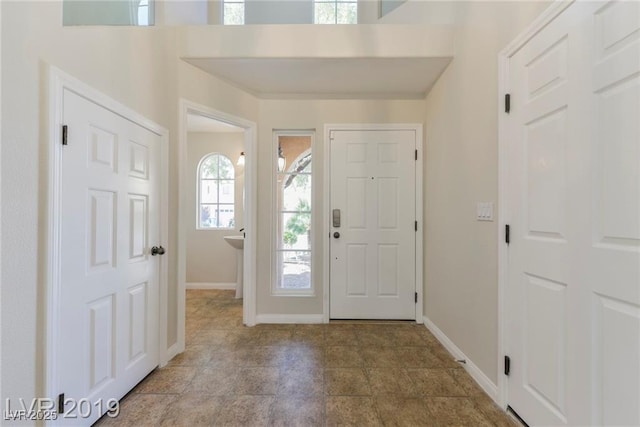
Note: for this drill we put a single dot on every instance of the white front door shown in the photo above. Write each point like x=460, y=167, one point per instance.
x=573, y=293
x=109, y=300
x=373, y=245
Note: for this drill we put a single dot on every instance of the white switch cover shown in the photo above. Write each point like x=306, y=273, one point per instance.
x=484, y=211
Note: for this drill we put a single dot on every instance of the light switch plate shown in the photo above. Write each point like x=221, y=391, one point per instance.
x=484, y=211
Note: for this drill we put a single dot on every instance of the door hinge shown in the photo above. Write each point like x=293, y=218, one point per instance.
x=507, y=234
x=416, y=154
x=64, y=134
x=416, y=225
x=507, y=365
x=507, y=103
x=416, y=297
x=61, y=403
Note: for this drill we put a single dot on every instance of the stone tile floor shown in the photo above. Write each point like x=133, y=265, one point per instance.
x=361, y=374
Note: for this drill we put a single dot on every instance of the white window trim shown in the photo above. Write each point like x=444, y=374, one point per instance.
x=198, y=187
x=275, y=290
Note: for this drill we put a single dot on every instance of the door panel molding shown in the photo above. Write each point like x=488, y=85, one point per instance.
x=59, y=82
x=326, y=229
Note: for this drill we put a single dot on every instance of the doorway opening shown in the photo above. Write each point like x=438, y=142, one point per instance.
x=215, y=204
x=217, y=201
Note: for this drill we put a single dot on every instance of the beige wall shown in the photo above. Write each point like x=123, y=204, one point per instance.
x=461, y=169
x=291, y=114
x=209, y=258
x=137, y=67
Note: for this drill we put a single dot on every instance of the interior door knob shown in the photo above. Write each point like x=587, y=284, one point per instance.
x=157, y=250
x=336, y=235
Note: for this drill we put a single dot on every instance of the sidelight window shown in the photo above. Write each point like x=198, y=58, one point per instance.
x=293, y=179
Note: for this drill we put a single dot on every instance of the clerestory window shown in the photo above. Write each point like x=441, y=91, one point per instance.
x=335, y=12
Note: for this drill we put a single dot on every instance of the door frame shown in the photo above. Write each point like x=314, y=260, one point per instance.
x=59, y=81
x=326, y=216
x=504, y=214
x=250, y=210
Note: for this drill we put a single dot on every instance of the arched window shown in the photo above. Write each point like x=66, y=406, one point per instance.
x=216, y=192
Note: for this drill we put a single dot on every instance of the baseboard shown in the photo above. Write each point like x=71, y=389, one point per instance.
x=483, y=381
x=289, y=318
x=196, y=285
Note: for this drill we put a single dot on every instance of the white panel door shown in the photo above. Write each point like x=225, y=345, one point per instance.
x=573, y=293
x=108, y=336
x=610, y=244
x=373, y=250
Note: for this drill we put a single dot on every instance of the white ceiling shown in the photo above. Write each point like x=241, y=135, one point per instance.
x=196, y=123
x=328, y=78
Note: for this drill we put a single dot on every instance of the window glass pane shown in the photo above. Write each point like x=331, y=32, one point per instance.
x=209, y=167
x=296, y=231
x=226, y=191
x=208, y=191
x=225, y=168
x=207, y=216
x=295, y=270
x=226, y=216
x=301, y=165
x=325, y=13
x=233, y=13
x=107, y=12
x=347, y=13
x=296, y=195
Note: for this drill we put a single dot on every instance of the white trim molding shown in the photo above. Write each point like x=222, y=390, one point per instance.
x=476, y=373
x=250, y=212
x=60, y=81
x=504, y=87
x=419, y=214
x=290, y=318
x=206, y=286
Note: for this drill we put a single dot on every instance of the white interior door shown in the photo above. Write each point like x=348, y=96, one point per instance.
x=373, y=248
x=573, y=293
x=108, y=334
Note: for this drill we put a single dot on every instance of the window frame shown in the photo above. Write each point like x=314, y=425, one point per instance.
x=336, y=3
x=276, y=290
x=199, y=203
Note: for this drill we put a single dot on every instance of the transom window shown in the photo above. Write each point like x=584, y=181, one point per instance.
x=233, y=12
x=335, y=12
x=216, y=188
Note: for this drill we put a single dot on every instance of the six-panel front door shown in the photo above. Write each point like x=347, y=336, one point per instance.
x=373, y=224
x=108, y=332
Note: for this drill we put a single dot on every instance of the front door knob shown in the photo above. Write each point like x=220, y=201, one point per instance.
x=336, y=235
x=157, y=250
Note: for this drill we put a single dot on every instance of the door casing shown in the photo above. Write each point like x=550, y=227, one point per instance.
x=326, y=229
x=58, y=82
